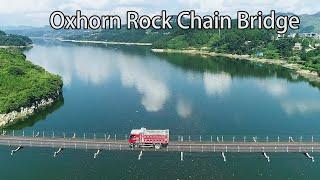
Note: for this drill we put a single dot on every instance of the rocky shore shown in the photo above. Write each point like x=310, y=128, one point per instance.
x=25, y=112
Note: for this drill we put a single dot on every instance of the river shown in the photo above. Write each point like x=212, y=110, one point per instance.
x=112, y=89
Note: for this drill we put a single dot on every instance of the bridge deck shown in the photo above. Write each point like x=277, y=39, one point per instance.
x=174, y=146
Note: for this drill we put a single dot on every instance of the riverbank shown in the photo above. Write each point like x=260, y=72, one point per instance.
x=25, y=112
x=8, y=47
x=310, y=75
x=104, y=42
x=25, y=87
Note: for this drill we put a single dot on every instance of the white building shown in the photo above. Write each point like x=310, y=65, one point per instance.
x=297, y=47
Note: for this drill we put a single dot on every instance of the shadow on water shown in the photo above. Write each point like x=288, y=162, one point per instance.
x=236, y=68
x=39, y=115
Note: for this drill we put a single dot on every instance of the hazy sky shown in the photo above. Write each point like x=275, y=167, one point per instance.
x=37, y=12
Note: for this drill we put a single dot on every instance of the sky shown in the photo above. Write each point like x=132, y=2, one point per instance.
x=37, y=12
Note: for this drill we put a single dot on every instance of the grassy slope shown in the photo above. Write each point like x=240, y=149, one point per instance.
x=22, y=83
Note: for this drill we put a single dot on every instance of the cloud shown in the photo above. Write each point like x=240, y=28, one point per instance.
x=14, y=11
x=184, y=108
x=27, y=6
x=231, y=6
x=216, y=84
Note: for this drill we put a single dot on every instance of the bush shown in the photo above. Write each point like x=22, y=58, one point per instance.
x=15, y=71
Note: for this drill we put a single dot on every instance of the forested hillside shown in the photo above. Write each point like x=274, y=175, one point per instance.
x=22, y=83
x=14, y=40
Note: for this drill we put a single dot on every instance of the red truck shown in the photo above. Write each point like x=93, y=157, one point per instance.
x=149, y=138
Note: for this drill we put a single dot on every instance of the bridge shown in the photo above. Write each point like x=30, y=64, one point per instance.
x=191, y=146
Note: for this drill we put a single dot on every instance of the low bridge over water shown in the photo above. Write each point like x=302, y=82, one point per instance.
x=114, y=144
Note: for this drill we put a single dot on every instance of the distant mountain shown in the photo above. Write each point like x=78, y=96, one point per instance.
x=310, y=23
x=45, y=31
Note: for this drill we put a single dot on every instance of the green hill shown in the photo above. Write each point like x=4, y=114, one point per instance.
x=23, y=83
x=310, y=23
x=13, y=40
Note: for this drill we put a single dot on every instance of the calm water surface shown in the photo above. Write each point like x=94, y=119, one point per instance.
x=112, y=89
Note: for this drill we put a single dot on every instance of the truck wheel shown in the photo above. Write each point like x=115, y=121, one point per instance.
x=157, y=146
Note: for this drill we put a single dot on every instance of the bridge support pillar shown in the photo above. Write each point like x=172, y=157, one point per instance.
x=95, y=155
x=291, y=139
x=224, y=157
x=16, y=150
x=310, y=157
x=140, y=155
x=57, y=152
x=266, y=156
x=181, y=156
x=74, y=136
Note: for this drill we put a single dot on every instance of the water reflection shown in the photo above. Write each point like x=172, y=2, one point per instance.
x=94, y=65
x=95, y=71
x=303, y=106
x=289, y=102
x=184, y=108
x=216, y=84
x=150, y=84
x=273, y=87
x=174, y=81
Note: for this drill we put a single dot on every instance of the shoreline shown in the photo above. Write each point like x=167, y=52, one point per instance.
x=7, y=47
x=310, y=75
x=25, y=112
x=105, y=42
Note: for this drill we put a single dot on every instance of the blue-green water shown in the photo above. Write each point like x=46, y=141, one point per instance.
x=112, y=89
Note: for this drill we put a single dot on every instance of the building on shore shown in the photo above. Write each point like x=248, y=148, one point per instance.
x=297, y=47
